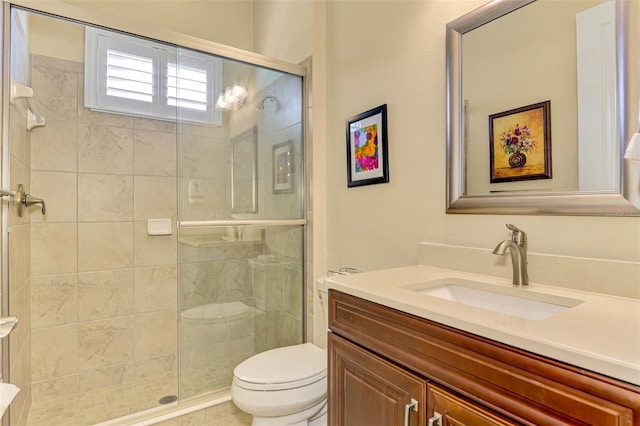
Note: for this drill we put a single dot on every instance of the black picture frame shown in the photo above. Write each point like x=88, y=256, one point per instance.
x=367, y=148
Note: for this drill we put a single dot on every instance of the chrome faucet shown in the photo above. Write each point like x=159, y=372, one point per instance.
x=517, y=245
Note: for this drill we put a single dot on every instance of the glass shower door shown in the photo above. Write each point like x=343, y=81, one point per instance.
x=241, y=227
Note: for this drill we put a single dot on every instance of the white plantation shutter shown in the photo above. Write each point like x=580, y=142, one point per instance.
x=131, y=75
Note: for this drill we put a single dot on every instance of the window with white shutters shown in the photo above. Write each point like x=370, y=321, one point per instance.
x=131, y=75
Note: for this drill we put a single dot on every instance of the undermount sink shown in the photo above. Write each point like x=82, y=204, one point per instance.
x=523, y=304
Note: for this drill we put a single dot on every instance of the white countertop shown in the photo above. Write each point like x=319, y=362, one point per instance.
x=602, y=334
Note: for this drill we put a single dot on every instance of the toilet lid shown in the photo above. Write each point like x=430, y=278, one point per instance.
x=282, y=368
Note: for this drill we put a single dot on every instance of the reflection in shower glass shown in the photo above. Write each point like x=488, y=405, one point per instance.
x=120, y=319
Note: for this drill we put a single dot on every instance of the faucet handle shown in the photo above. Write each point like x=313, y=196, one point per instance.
x=518, y=236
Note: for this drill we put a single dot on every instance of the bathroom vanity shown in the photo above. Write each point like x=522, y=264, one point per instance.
x=398, y=357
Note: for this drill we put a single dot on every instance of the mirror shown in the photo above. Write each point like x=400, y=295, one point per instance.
x=244, y=172
x=542, y=100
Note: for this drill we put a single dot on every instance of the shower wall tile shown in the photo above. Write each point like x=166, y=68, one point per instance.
x=185, y=129
x=61, y=64
x=19, y=259
x=54, y=300
x=201, y=283
x=46, y=390
x=58, y=190
x=155, y=197
x=274, y=286
x=103, y=377
x=292, y=292
x=237, y=280
x=21, y=377
x=105, y=343
x=105, y=245
x=105, y=197
x=53, y=248
x=105, y=149
x=57, y=92
x=19, y=140
x=54, y=147
x=54, y=352
x=154, y=250
x=154, y=153
x=155, y=125
x=201, y=157
x=105, y=294
x=19, y=306
x=156, y=288
x=155, y=334
x=158, y=365
x=211, y=204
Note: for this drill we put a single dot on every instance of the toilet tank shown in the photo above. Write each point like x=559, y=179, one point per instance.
x=324, y=298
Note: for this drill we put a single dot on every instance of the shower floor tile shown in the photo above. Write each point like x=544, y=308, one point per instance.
x=100, y=405
x=89, y=408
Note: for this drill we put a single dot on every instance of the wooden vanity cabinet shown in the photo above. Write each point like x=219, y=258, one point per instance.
x=382, y=360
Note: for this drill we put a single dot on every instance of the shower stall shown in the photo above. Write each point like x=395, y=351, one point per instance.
x=164, y=238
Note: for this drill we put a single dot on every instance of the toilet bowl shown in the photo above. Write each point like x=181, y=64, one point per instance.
x=284, y=386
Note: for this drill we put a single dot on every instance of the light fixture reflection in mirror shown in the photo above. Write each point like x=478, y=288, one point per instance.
x=616, y=199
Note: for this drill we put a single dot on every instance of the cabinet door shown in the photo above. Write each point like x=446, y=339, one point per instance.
x=366, y=390
x=447, y=409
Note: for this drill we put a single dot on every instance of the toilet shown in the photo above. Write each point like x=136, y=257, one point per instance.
x=285, y=386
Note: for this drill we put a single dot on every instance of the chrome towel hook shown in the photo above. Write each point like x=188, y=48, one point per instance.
x=28, y=200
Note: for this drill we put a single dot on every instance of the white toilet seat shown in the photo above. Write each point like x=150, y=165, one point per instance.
x=282, y=368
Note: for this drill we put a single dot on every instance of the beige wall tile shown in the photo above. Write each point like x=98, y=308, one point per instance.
x=19, y=256
x=160, y=365
x=105, y=246
x=105, y=343
x=103, y=377
x=54, y=147
x=54, y=352
x=105, y=294
x=156, y=333
x=57, y=92
x=154, y=153
x=156, y=288
x=155, y=197
x=52, y=389
x=164, y=126
x=19, y=141
x=203, y=157
x=154, y=250
x=105, y=197
x=58, y=190
x=19, y=337
x=53, y=248
x=54, y=300
x=105, y=149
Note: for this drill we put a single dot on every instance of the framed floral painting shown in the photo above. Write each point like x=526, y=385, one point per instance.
x=520, y=143
x=282, y=156
x=367, y=152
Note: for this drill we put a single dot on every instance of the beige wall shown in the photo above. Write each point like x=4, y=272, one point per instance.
x=394, y=53
x=229, y=22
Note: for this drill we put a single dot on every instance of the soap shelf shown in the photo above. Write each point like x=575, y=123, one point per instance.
x=19, y=91
x=7, y=324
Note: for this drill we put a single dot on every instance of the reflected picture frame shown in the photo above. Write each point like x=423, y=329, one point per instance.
x=367, y=148
x=520, y=143
x=282, y=168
